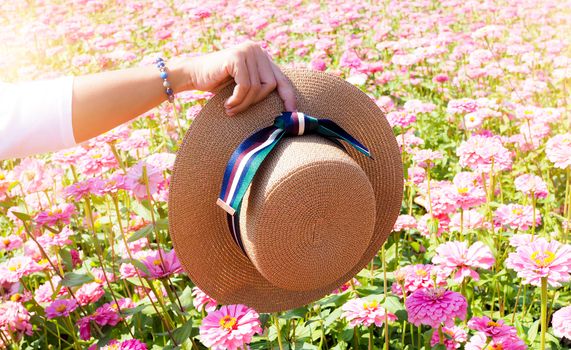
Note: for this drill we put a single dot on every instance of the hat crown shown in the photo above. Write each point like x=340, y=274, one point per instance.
x=311, y=208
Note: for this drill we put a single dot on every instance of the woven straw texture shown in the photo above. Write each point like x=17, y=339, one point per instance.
x=288, y=257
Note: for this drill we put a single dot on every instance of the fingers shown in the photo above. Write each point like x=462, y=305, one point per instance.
x=256, y=76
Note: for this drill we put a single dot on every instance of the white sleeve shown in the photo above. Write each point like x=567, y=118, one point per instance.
x=35, y=117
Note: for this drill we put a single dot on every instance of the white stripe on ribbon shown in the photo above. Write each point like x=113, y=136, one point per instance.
x=245, y=160
x=301, y=123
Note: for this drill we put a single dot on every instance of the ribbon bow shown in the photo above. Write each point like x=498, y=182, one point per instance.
x=250, y=154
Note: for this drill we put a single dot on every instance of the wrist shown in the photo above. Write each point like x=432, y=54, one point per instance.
x=181, y=75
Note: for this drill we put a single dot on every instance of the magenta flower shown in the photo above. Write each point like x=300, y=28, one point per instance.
x=497, y=330
x=131, y=344
x=540, y=258
x=202, y=301
x=468, y=190
x=82, y=189
x=230, y=328
x=106, y=314
x=562, y=322
x=558, y=150
x=415, y=277
x=531, y=185
x=89, y=293
x=435, y=306
x=363, y=312
x=457, y=256
x=479, y=341
x=516, y=216
x=61, y=307
x=59, y=214
x=161, y=264
x=453, y=337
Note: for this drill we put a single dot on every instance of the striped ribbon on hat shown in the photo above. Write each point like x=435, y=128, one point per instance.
x=250, y=154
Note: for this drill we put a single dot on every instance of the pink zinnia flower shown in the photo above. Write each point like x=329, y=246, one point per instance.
x=161, y=264
x=59, y=214
x=131, y=344
x=423, y=157
x=136, y=182
x=203, y=301
x=400, y=118
x=230, y=328
x=17, y=267
x=516, y=216
x=562, y=322
x=453, y=337
x=471, y=219
x=478, y=153
x=15, y=319
x=464, y=105
x=89, y=293
x=50, y=239
x=61, y=307
x=495, y=329
x=541, y=258
x=419, y=276
x=479, y=341
x=435, y=306
x=84, y=188
x=106, y=314
x=558, y=150
x=521, y=239
x=404, y=222
x=457, y=256
x=531, y=185
x=408, y=140
x=31, y=174
x=10, y=242
x=363, y=312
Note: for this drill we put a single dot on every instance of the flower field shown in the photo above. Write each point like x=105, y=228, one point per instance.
x=478, y=94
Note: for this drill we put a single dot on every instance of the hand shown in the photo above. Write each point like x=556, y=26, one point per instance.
x=250, y=67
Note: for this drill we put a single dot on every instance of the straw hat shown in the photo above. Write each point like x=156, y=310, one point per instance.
x=316, y=212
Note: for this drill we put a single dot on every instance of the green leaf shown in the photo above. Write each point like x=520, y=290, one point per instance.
x=186, y=297
x=295, y=313
x=532, y=332
x=439, y=347
x=183, y=332
x=73, y=279
x=22, y=216
x=143, y=232
x=66, y=258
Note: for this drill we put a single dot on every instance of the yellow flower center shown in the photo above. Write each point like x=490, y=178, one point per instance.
x=2, y=176
x=517, y=211
x=496, y=347
x=544, y=258
x=228, y=322
x=157, y=262
x=43, y=262
x=6, y=242
x=96, y=156
x=528, y=112
x=371, y=306
x=421, y=273
x=462, y=190
x=16, y=297
x=29, y=175
x=14, y=267
x=61, y=308
x=493, y=324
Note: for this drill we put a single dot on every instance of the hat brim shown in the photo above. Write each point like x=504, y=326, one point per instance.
x=198, y=227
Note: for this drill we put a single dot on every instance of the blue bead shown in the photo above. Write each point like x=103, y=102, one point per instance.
x=169, y=91
x=160, y=64
x=160, y=59
x=164, y=75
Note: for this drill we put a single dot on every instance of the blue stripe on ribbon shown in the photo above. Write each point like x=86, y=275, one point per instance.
x=250, y=154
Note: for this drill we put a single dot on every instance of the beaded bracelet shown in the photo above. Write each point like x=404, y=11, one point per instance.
x=164, y=75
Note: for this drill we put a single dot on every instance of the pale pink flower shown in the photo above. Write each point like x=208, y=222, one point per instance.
x=423, y=224
x=14, y=319
x=82, y=189
x=404, y=222
x=60, y=307
x=473, y=120
x=457, y=256
x=471, y=219
x=231, y=327
x=50, y=239
x=479, y=152
x=423, y=157
x=97, y=160
x=521, y=239
x=17, y=267
x=417, y=106
x=363, y=312
x=462, y=106
x=202, y=301
x=32, y=175
x=516, y=216
x=558, y=150
x=135, y=181
x=435, y=306
x=453, y=337
x=479, y=341
x=531, y=185
x=416, y=175
x=408, y=140
x=10, y=242
x=415, y=277
x=562, y=322
x=400, y=118
x=540, y=258
x=45, y=292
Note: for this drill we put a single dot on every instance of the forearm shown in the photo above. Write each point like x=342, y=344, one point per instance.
x=105, y=100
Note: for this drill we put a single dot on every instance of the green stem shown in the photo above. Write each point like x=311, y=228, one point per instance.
x=277, y=323
x=543, y=311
